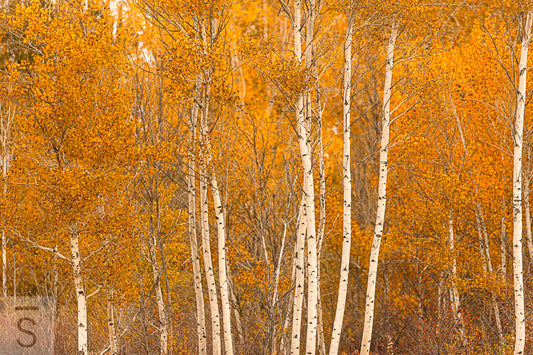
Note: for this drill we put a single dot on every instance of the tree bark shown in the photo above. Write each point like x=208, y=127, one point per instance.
x=299, y=280
x=518, y=275
x=197, y=274
x=113, y=343
x=454, y=293
x=208, y=265
x=347, y=193
x=79, y=285
x=222, y=267
x=308, y=196
x=382, y=197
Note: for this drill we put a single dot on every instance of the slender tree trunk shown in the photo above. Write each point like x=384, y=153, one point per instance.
x=222, y=267
x=197, y=274
x=299, y=280
x=347, y=193
x=302, y=123
x=113, y=343
x=382, y=197
x=455, y=300
x=209, y=272
x=6, y=121
x=79, y=286
x=518, y=275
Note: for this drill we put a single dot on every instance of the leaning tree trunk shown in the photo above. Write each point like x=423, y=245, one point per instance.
x=518, y=274
x=347, y=193
x=382, y=197
x=222, y=267
x=79, y=286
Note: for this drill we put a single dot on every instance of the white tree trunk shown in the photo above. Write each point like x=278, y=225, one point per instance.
x=79, y=286
x=308, y=195
x=7, y=115
x=382, y=197
x=222, y=267
x=299, y=280
x=518, y=275
x=347, y=193
x=208, y=265
x=112, y=328
x=197, y=274
x=454, y=293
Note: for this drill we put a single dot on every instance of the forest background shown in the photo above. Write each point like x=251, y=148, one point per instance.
x=208, y=177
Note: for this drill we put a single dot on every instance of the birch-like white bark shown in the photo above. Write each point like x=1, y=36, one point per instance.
x=347, y=193
x=382, y=197
x=222, y=267
x=454, y=293
x=191, y=194
x=518, y=274
x=111, y=325
x=79, y=286
x=299, y=280
x=7, y=115
x=197, y=275
x=208, y=265
x=308, y=195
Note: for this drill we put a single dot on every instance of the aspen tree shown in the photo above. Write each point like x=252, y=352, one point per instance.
x=191, y=195
x=308, y=194
x=111, y=322
x=518, y=131
x=208, y=265
x=79, y=284
x=7, y=115
x=210, y=178
x=454, y=293
x=222, y=266
x=382, y=195
x=347, y=187
x=299, y=256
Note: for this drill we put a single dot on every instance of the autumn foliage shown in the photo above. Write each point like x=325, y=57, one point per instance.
x=151, y=156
